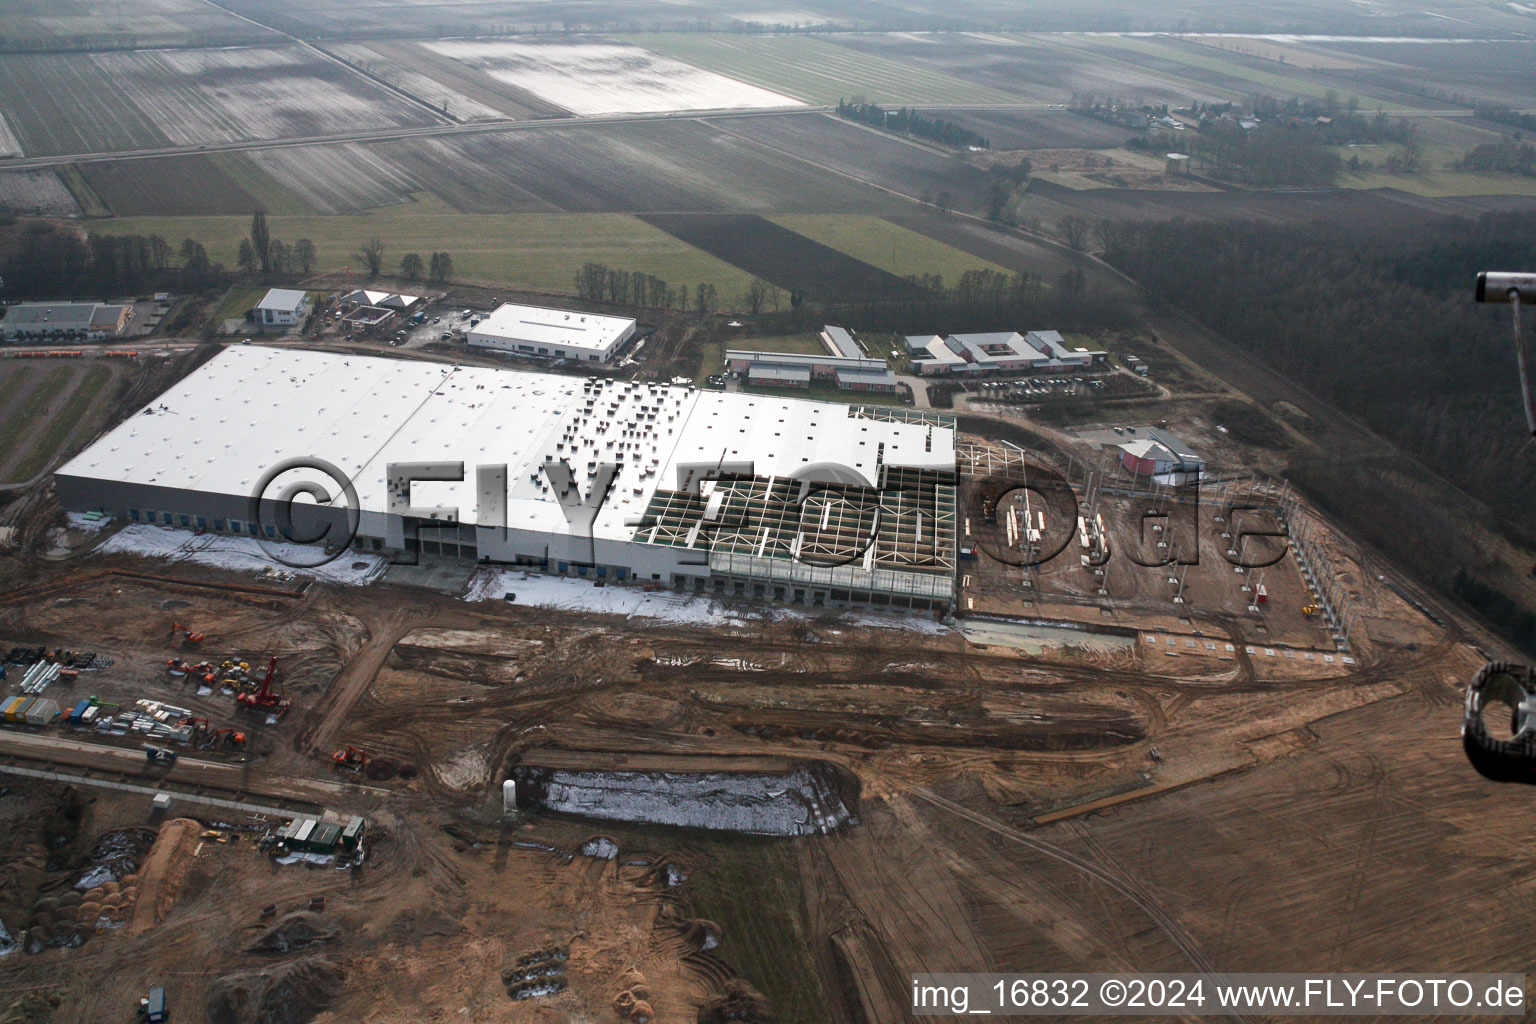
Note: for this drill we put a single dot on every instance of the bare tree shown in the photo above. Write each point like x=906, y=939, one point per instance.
x=756, y=296
x=304, y=255
x=371, y=255
x=1075, y=230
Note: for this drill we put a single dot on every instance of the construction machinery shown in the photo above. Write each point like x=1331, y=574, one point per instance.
x=229, y=739
x=1309, y=609
x=187, y=634
x=152, y=1007
x=352, y=759
x=264, y=697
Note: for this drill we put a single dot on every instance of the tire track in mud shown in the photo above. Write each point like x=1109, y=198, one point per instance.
x=1123, y=884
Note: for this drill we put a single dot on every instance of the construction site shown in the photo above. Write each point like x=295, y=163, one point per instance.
x=1115, y=726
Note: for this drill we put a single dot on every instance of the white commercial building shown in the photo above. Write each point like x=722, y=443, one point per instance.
x=766, y=496
x=999, y=352
x=280, y=309
x=543, y=333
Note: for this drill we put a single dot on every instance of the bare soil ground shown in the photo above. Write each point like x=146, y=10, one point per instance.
x=1051, y=805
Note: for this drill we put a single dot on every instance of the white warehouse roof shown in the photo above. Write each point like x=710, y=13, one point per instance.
x=538, y=325
x=221, y=428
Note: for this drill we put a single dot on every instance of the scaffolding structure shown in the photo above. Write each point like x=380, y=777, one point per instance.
x=895, y=544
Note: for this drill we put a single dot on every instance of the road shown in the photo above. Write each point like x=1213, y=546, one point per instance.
x=56, y=747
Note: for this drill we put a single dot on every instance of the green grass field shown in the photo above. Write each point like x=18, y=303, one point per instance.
x=91, y=204
x=538, y=252
x=817, y=71
x=261, y=186
x=1444, y=184
x=24, y=416
x=236, y=302
x=62, y=423
x=800, y=344
x=751, y=889
x=885, y=245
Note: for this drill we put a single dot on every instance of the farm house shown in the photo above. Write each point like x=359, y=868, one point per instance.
x=538, y=332
x=613, y=480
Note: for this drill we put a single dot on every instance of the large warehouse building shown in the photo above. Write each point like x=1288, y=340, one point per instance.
x=709, y=491
x=540, y=333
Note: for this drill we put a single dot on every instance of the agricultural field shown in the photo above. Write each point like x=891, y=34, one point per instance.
x=527, y=252
x=346, y=178
x=793, y=262
x=37, y=193
x=1045, y=68
x=1444, y=184
x=880, y=243
x=1492, y=72
x=821, y=71
x=1035, y=129
x=889, y=163
x=651, y=166
x=102, y=102
x=460, y=92
x=1110, y=168
x=45, y=403
x=166, y=186
x=606, y=78
x=1240, y=75
x=110, y=24
x=643, y=167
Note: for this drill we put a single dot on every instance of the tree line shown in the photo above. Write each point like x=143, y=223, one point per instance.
x=1381, y=323
x=598, y=282
x=910, y=122
x=44, y=260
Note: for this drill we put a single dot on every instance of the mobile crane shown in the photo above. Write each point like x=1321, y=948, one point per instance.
x=264, y=698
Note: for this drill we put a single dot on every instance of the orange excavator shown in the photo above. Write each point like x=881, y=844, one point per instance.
x=264, y=698
x=351, y=758
x=188, y=635
x=229, y=739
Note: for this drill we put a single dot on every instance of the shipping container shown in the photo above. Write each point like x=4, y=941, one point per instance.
x=79, y=712
x=18, y=712
x=324, y=837
x=353, y=833
x=8, y=706
x=43, y=712
x=302, y=833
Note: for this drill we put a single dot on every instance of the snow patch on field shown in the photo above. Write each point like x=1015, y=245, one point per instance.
x=542, y=591
x=242, y=554
x=607, y=78
x=561, y=592
x=37, y=193
x=200, y=96
x=424, y=87
x=796, y=803
x=9, y=144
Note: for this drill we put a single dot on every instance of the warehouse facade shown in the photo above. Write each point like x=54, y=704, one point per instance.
x=538, y=332
x=86, y=321
x=762, y=496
